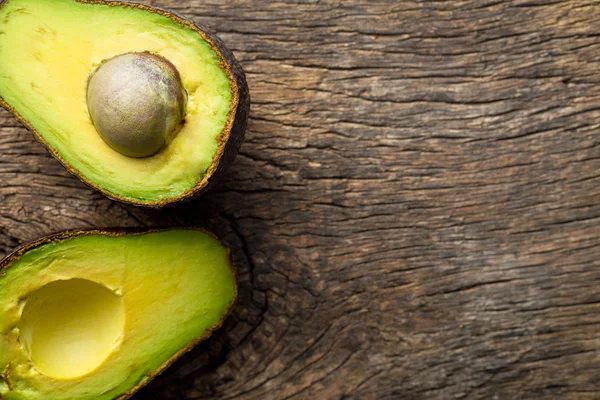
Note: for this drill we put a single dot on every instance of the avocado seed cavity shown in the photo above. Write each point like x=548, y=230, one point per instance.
x=69, y=327
x=137, y=103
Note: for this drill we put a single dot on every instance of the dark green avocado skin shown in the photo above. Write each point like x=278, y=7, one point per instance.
x=240, y=122
x=238, y=127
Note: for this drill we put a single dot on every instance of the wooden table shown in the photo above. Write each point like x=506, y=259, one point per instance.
x=414, y=212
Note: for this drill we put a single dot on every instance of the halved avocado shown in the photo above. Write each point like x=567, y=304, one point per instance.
x=54, y=55
x=96, y=314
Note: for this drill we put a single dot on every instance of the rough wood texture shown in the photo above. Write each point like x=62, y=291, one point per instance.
x=414, y=212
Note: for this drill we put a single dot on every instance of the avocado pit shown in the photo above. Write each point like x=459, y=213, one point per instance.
x=136, y=102
x=68, y=328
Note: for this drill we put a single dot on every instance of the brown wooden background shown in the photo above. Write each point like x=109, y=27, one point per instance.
x=414, y=212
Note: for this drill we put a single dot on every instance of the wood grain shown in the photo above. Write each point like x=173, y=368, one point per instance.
x=414, y=212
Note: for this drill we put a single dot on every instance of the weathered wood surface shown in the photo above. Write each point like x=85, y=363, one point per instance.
x=415, y=210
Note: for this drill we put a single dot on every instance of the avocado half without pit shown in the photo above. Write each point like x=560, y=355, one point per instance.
x=139, y=103
x=96, y=314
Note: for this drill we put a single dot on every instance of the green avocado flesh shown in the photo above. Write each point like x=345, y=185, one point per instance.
x=49, y=50
x=94, y=315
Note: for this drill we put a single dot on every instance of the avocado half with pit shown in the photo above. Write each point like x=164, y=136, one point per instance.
x=96, y=314
x=139, y=103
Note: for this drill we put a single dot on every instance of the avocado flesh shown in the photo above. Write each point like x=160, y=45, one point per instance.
x=131, y=303
x=49, y=49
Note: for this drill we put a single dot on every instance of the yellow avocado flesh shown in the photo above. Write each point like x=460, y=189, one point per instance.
x=48, y=49
x=69, y=327
x=94, y=315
